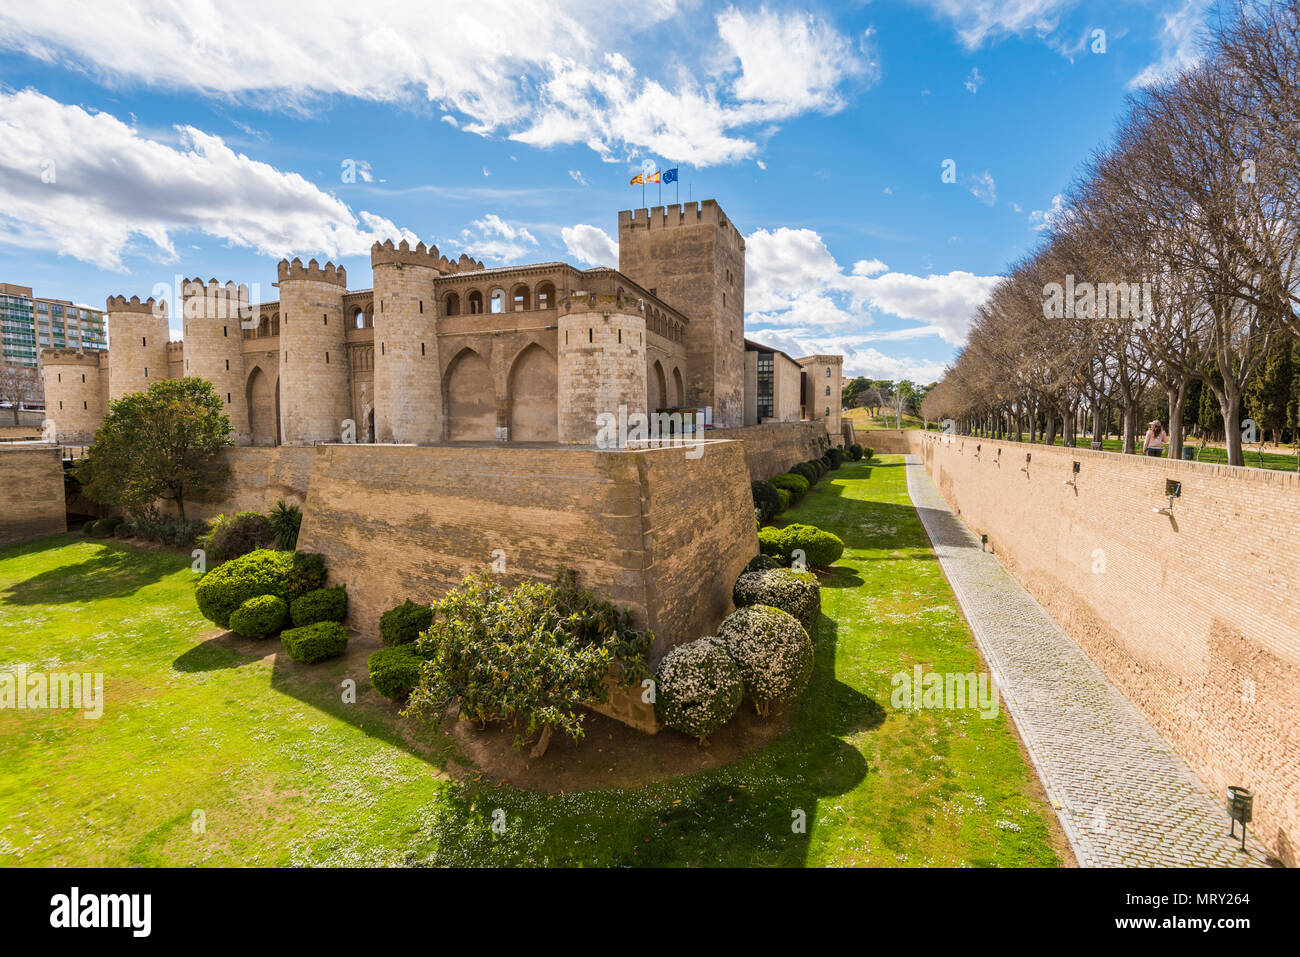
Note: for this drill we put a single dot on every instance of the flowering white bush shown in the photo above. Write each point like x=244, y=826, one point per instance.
x=772, y=651
x=698, y=688
x=794, y=592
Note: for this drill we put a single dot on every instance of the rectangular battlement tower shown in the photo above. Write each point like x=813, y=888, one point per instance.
x=693, y=258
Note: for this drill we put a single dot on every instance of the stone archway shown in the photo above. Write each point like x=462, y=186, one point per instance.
x=469, y=401
x=533, y=394
x=657, y=387
x=262, y=411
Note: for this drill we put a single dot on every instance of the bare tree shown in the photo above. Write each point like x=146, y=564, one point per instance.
x=17, y=385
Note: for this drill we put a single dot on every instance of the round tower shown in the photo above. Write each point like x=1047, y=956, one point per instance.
x=213, y=345
x=602, y=363
x=316, y=389
x=73, y=400
x=408, y=399
x=137, y=344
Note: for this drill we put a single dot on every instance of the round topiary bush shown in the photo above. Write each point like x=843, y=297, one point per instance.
x=820, y=548
x=260, y=616
x=836, y=455
x=323, y=604
x=772, y=651
x=312, y=643
x=807, y=471
x=394, y=672
x=761, y=562
x=306, y=573
x=787, y=498
x=228, y=586
x=770, y=541
x=767, y=504
x=795, y=484
x=796, y=593
x=869, y=454
x=238, y=534
x=826, y=462
x=403, y=624
x=698, y=688
x=855, y=452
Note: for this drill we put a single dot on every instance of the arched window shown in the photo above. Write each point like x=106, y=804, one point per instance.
x=828, y=372
x=498, y=301
x=828, y=410
x=359, y=318
x=546, y=296
x=475, y=300
x=451, y=305
x=828, y=390
x=275, y=324
x=520, y=299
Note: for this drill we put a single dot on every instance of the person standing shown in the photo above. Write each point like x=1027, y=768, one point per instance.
x=1154, y=444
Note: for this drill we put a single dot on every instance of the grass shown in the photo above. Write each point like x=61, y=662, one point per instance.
x=1211, y=454
x=285, y=772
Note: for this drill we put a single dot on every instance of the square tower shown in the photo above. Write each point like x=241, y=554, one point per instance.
x=693, y=258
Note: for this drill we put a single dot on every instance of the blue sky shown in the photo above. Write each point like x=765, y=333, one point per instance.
x=140, y=141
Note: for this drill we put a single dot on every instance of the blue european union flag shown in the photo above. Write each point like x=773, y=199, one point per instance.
x=670, y=175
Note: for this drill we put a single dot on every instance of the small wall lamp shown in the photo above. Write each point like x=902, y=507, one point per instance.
x=1173, y=490
x=1025, y=468
x=1074, y=476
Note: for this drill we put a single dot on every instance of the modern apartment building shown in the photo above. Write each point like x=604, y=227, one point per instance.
x=31, y=323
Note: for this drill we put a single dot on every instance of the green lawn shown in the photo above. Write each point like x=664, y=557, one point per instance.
x=285, y=773
x=1212, y=454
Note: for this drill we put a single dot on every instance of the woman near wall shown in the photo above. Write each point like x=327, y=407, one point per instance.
x=1154, y=443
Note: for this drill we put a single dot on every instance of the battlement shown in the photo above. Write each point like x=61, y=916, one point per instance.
x=296, y=270
x=213, y=300
x=122, y=304
x=67, y=357
x=687, y=214
x=386, y=254
x=175, y=350
x=465, y=264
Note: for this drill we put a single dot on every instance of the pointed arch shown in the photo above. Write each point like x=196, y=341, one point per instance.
x=471, y=408
x=656, y=387
x=532, y=390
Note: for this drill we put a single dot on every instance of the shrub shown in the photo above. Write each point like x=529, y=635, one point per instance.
x=285, y=521
x=532, y=654
x=826, y=462
x=226, y=587
x=90, y=527
x=819, y=466
x=836, y=455
x=869, y=454
x=316, y=642
x=107, y=527
x=796, y=593
x=403, y=624
x=787, y=498
x=238, y=534
x=769, y=541
x=260, y=616
x=795, y=484
x=306, y=573
x=772, y=651
x=760, y=563
x=807, y=471
x=698, y=688
x=394, y=672
x=855, y=452
x=123, y=530
x=820, y=548
x=767, y=504
x=322, y=604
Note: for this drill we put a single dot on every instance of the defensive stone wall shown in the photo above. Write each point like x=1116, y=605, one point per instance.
x=1193, y=612
x=32, y=503
x=772, y=448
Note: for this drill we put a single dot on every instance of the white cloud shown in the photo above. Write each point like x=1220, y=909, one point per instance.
x=492, y=238
x=1044, y=219
x=590, y=245
x=975, y=80
x=979, y=20
x=577, y=177
x=983, y=187
x=114, y=188
x=553, y=77
x=1181, y=39
x=793, y=281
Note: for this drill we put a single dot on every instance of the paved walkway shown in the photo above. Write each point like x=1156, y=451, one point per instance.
x=1124, y=796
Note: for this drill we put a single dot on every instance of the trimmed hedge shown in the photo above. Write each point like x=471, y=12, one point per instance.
x=403, y=624
x=821, y=549
x=260, y=616
x=793, y=483
x=312, y=643
x=787, y=498
x=394, y=672
x=796, y=593
x=761, y=563
x=772, y=651
x=769, y=541
x=306, y=573
x=767, y=504
x=226, y=587
x=855, y=452
x=238, y=534
x=807, y=471
x=836, y=455
x=869, y=454
x=323, y=604
x=698, y=688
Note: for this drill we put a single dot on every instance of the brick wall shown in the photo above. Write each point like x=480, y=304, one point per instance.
x=772, y=448
x=1195, y=616
x=258, y=476
x=31, y=504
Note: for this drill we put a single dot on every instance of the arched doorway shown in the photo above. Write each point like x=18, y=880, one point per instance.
x=679, y=389
x=534, y=395
x=262, y=417
x=657, y=387
x=470, y=403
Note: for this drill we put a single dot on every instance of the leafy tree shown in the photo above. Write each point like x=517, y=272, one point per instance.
x=1268, y=392
x=164, y=443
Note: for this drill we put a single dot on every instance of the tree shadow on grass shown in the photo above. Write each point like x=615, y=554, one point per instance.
x=114, y=571
x=227, y=650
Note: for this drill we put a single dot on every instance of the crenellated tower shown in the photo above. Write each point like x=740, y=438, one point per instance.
x=316, y=390
x=211, y=317
x=408, y=396
x=138, y=337
x=73, y=399
x=693, y=258
x=602, y=362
